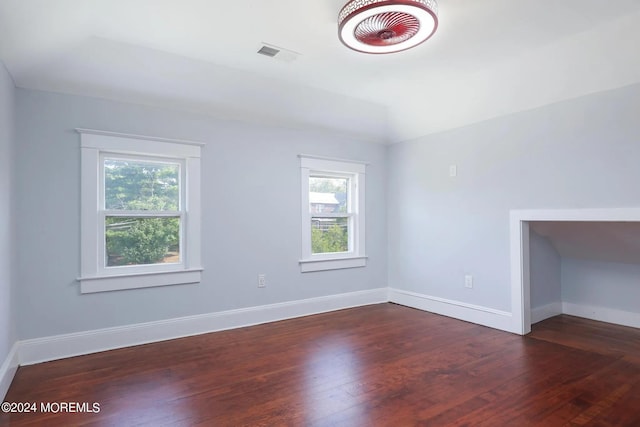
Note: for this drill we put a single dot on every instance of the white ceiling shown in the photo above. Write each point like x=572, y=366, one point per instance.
x=488, y=58
x=594, y=241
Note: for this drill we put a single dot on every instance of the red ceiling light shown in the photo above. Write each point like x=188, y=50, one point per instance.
x=386, y=26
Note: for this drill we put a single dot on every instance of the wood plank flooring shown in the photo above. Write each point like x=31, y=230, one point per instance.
x=380, y=365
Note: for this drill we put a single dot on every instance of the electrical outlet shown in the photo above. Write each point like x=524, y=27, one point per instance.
x=468, y=281
x=262, y=280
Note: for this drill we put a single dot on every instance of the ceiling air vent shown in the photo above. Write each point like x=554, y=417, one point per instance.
x=279, y=53
x=268, y=51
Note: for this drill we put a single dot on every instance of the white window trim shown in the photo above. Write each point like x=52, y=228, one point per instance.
x=93, y=276
x=355, y=257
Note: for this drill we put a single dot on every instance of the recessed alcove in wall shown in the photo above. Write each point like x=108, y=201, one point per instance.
x=591, y=245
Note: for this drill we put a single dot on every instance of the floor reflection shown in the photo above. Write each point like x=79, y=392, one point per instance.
x=145, y=402
x=330, y=370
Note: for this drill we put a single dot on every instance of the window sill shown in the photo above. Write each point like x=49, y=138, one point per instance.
x=95, y=284
x=309, y=265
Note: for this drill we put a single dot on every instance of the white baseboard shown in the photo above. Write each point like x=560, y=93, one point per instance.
x=470, y=313
x=8, y=370
x=538, y=314
x=68, y=345
x=602, y=314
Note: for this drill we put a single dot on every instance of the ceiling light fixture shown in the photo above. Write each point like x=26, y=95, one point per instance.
x=386, y=26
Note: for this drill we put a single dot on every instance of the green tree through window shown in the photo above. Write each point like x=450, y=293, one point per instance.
x=328, y=195
x=141, y=186
x=333, y=239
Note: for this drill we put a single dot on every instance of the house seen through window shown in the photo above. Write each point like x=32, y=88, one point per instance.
x=333, y=214
x=329, y=206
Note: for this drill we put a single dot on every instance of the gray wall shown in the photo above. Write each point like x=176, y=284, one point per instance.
x=251, y=215
x=581, y=153
x=601, y=284
x=545, y=271
x=7, y=317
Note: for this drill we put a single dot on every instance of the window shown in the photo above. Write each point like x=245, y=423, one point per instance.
x=140, y=212
x=333, y=220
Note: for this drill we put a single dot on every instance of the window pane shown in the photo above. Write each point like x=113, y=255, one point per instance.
x=135, y=241
x=141, y=185
x=329, y=235
x=328, y=195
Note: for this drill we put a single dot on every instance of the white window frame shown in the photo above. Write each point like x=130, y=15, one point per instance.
x=95, y=276
x=338, y=168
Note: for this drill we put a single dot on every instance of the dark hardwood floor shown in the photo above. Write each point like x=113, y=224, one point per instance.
x=380, y=365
